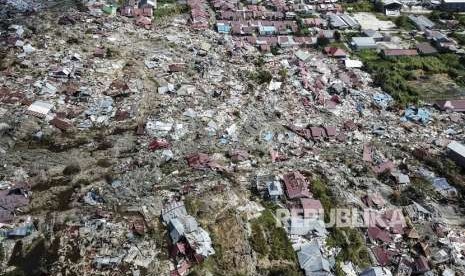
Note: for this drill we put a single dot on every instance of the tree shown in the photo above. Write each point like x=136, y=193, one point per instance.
x=322, y=41
x=337, y=36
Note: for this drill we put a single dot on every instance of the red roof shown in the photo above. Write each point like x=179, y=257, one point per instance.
x=335, y=52
x=374, y=199
x=330, y=131
x=383, y=256
x=421, y=265
x=383, y=167
x=454, y=105
x=311, y=207
x=317, y=132
x=159, y=144
x=378, y=234
x=367, y=153
x=350, y=125
x=61, y=124
x=296, y=185
x=399, y=52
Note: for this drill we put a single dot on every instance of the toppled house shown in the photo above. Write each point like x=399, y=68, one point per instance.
x=375, y=271
x=312, y=261
x=39, y=109
x=367, y=153
x=443, y=187
x=308, y=227
x=190, y=242
x=223, y=28
x=10, y=201
x=402, y=180
x=274, y=189
x=199, y=14
x=417, y=213
x=385, y=166
x=421, y=265
x=296, y=185
x=456, y=151
x=315, y=133
x=133, y=8
x=308, y=208
x=352, y=63
x=378, y=235
x=373, y=200
x=383, y=256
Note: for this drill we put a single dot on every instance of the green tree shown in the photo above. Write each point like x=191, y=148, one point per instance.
x=322, y=41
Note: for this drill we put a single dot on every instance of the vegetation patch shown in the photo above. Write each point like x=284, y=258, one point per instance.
x=352, y=245
x=393, y=74
x=269, y=240
x=169, y=10
x=359, y=6
x=404, y=22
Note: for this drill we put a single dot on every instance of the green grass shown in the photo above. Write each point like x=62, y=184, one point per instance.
x=393, y=74
x=352, y=246
x=359, y=6
x=405, y=23
x=261, y=76
x=169, y=10
x=459, y=37
x=269, y=240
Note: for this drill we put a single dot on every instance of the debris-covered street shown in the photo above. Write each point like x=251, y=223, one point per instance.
x=229, y=138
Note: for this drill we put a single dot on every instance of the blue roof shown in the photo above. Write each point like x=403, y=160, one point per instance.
x=441, y=183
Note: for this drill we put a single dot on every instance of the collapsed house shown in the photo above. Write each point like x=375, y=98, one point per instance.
x=190, y=243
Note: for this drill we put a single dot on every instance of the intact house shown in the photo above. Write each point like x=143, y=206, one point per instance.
x=451, y=105
x=389, y=7
x=441, y=41
x=456, y=152
x=335, y=52
x=376, y=35
x=399, y=52
x=421, y=22
x=362, y=43
x=452, y=5
x=425, y=49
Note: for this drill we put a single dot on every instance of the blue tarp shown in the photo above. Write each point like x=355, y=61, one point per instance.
x=421, y=115
x=382, y=100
